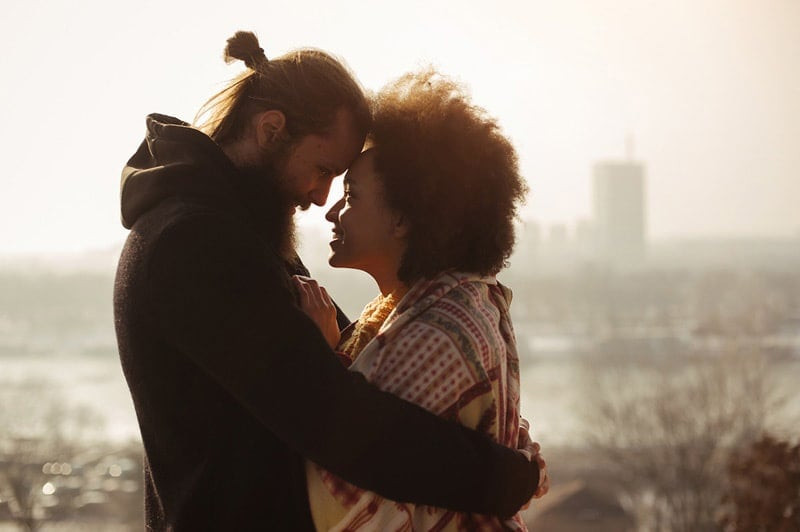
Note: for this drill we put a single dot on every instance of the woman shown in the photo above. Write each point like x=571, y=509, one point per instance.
x=428, y=212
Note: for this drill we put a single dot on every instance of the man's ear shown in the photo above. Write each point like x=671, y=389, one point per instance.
x=270, y=126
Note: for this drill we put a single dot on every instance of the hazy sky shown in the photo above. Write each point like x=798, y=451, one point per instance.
x=709, y=90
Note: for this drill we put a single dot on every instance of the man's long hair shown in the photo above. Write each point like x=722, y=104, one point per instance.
x=309, y=86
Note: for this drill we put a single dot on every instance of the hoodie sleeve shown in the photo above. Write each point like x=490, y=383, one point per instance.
x=223, y=301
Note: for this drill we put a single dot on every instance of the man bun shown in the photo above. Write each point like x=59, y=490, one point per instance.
x=244, y=47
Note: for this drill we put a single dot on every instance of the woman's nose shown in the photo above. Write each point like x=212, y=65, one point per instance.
x=333, y=214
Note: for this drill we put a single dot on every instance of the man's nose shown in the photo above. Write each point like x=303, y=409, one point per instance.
x=319, y=195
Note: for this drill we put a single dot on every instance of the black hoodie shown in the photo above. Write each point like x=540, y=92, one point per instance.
x=233, y=384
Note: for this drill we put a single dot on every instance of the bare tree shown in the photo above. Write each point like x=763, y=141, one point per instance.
x=36, y=427
x=666, y=429
x=764, y=492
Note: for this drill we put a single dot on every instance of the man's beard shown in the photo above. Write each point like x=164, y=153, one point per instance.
x=280, y=198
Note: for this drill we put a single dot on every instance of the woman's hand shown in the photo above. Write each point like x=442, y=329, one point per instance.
x=317, y=304
x=532, y=449
x=544, y=478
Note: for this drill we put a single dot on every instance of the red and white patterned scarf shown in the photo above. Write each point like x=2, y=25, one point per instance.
x=449, y=347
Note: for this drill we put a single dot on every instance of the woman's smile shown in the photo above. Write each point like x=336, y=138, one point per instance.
x=337, y=236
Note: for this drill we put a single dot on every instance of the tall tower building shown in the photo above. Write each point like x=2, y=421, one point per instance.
x=619, y=212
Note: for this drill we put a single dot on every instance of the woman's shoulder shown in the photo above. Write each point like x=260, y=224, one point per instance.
x=472, y=300
x=438, y=290
x=462, y=319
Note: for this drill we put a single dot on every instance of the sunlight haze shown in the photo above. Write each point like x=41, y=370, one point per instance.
x=708, y=91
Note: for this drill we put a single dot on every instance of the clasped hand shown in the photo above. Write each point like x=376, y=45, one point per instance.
x=317, y=304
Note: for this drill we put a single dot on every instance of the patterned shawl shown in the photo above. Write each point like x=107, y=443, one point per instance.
x=449, y=347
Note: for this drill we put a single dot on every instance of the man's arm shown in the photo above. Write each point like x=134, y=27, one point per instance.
x=223, y=302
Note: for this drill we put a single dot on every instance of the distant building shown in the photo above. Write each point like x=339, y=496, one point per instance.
x=534, y=232
x=529, y=236
x=619, y=212
x=558, y=237
x=584, y=239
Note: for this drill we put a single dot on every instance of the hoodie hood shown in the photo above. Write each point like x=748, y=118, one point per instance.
x=174, y=159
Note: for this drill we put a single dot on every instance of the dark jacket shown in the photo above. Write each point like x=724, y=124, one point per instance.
x=233, y=384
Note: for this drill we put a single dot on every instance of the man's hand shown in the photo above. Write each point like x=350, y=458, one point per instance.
x=317, y=304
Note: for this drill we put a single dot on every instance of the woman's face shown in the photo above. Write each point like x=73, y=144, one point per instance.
x=367, y=235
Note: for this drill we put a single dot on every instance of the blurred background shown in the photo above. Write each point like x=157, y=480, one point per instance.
x=656, y=276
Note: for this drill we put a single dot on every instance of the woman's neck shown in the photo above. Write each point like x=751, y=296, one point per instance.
x=396, y=287
x=388, y=283
x=384, y=271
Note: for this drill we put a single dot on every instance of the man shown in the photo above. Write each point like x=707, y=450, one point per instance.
x=232, y=383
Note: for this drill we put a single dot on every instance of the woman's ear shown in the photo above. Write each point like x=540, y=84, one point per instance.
x=270, y=126
x=401, y=227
